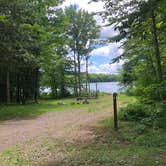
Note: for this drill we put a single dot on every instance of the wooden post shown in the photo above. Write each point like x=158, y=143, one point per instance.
x=96, y=91
x=115, y=111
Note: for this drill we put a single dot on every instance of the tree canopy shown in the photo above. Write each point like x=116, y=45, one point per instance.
x=141, y=26
x=37, y=42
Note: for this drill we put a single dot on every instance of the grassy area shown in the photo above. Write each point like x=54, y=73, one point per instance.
x=131, y=145
x=34, y=110
x=127, y=147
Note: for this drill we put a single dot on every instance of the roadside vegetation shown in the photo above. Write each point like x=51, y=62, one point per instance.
x=132, y=145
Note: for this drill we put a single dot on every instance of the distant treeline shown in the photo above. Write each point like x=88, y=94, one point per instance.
x=103, y=78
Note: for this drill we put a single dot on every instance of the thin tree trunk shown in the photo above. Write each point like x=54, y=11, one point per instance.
x=79, y=74
x=89, y=88
x=8, y=87
x=18, y=89
x=87, y=75
x=157, y=50
x=75, y=75
x=62, y=86
x=36, y=93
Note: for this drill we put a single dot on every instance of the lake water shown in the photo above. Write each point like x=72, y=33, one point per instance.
x=107, y=87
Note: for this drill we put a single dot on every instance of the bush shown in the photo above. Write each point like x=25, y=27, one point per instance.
x=134, y=112
x=159, y=115
x=141, y=129
x=148, y=115
x=154, y=92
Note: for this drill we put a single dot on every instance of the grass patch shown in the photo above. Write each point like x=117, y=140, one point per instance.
x=125, y=147
x=34, y=110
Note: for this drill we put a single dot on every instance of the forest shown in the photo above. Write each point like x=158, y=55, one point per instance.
x=46, y=45
x=39, y=49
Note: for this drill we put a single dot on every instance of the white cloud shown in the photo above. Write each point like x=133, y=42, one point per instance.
x=107, y=32
x=106, y=68
x=92, y=7
x=112, y=50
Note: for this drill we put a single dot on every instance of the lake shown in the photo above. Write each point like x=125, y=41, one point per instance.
x=107, y=87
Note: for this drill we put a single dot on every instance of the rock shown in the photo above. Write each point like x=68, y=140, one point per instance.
x=61, y=103
x=85, y=101
x=72, y=103
x=79, y=98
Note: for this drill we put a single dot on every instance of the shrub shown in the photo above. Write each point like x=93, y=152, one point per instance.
x=148, y=115
x=141, y=129
x=159, y=115
x=134, y=112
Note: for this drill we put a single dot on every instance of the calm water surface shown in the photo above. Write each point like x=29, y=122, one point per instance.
x=107, y=87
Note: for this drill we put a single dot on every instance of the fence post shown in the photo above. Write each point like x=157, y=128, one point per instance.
x=115, y=111
x=96, y=91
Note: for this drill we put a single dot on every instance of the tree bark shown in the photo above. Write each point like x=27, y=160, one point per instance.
x=18, y=89
x=157, y=50
x=75, y=75
x=8, y=87
x=36, y=93
x=87, y=75
x=79, y=74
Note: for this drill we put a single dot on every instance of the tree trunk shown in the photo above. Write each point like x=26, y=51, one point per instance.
x=79, y=74
x=87, y=75
x=75, y=75
x=157, y=50
x=36, y=93
x=8, y=87
x=18, y=89
x=62, y=85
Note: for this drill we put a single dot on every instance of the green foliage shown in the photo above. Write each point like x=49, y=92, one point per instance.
x=148, y=115
x=138, y=134
x=103, y=78
x=160, y=115
x=24, y=39
x=134, y=112
x=141, y=29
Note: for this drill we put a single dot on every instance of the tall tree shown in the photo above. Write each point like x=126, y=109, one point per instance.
x=23, y=26
x=140, y=24
x=82, y=31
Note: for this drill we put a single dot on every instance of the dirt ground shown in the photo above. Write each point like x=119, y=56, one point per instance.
x=63, y=124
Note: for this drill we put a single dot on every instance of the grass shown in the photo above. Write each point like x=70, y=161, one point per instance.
x=33, y=110
x=132, y=145
x=127, y=147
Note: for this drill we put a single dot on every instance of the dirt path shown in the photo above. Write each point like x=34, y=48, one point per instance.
x=58, y=124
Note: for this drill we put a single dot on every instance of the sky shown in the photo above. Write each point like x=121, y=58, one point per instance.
x=101, y=56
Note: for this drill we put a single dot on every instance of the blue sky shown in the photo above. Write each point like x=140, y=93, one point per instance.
x=101, y=56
